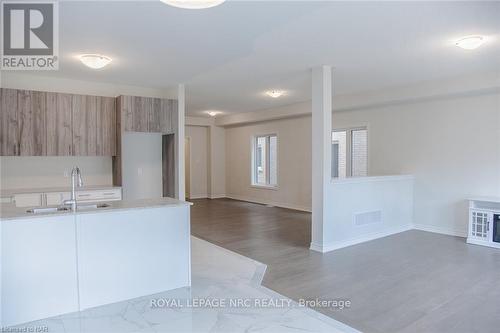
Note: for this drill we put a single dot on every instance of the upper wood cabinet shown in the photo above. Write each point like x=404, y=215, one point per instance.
x=147, y=114
x=106, y=126
x=32, y=122
x=37, y=123
x=9, y=135
x=59, y=125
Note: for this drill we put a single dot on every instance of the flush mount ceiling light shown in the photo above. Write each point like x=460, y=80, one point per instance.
x=193, y=4
x=95, y=61
x=275, y=93
x=213, y=113
x=470, y=42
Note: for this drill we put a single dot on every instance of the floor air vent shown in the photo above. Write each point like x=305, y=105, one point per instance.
x=368, y=217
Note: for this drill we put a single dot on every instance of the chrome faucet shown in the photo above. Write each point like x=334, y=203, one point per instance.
x=76, y=180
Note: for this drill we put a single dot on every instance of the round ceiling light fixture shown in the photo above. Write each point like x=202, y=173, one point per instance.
x=213, y=113
x=95, y=61
x=275, y=93
x=470, y=42
x=193, y=4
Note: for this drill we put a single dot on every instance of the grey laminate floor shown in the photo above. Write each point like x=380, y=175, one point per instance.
x=410, y=282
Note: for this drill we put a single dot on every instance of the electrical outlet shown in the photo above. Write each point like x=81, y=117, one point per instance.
x=66, y=173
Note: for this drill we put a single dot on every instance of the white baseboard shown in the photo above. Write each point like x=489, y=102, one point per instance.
x=198, y=196
x=440, y=230
x=218, y=196
x=353, y=241
x=271, y=203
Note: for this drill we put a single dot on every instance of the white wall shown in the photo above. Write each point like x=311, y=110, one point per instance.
x=199, y=151
x=142, y=165
x=52, y=171
x=385, y=204
x=294, y=163
x=450, y=144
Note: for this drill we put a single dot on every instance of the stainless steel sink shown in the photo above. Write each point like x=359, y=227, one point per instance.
x=91, y=206
x=42, y=210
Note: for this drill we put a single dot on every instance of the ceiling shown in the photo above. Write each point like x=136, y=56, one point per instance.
x=229, y=55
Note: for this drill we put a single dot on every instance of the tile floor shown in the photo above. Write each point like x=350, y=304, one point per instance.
x=217, y=275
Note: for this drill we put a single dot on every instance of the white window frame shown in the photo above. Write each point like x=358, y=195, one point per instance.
x=253, y=169
x=349, y=131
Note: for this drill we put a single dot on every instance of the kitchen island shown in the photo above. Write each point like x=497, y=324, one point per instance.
x=61, y=262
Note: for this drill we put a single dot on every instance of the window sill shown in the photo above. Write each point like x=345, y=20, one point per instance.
x=265, y=187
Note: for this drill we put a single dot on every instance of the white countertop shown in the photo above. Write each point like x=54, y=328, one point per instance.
x=486, y=199
x=11, y=212
x=11, y=192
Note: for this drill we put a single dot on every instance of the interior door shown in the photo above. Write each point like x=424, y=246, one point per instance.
x=168, y=165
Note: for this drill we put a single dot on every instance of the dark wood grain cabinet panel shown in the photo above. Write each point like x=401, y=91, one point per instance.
x=126, y=112
x=79, y=124
x=35, y=123
x=154, y=124
x=93, y=105
x=168, y=121
x=98, y=136
x=106, y=126
x=9, y=136
x=59, y=124
x=142, y=107
x=31, y=113
x=147, y=114
x=39, y=123
x=25, y=122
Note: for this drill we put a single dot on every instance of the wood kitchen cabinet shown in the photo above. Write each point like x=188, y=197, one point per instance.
x=106, y=126
x=147, y=114
x=94, y=125
x=32, y=110
x=23, y=123
x=59, y=125
x=37, y=123
x=142, y=114
x=9, y=136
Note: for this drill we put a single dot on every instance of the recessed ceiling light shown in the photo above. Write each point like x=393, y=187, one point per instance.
x=95, y=61
x=193, y=4
x=213, y=113
x=470, y=42
x=275, y=93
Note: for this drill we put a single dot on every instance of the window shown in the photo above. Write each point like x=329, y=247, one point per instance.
x=264, y=162
x=350, y=153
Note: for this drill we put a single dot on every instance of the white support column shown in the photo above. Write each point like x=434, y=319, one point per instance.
x=180, y=189
x=321, y=155
x=217, y=172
